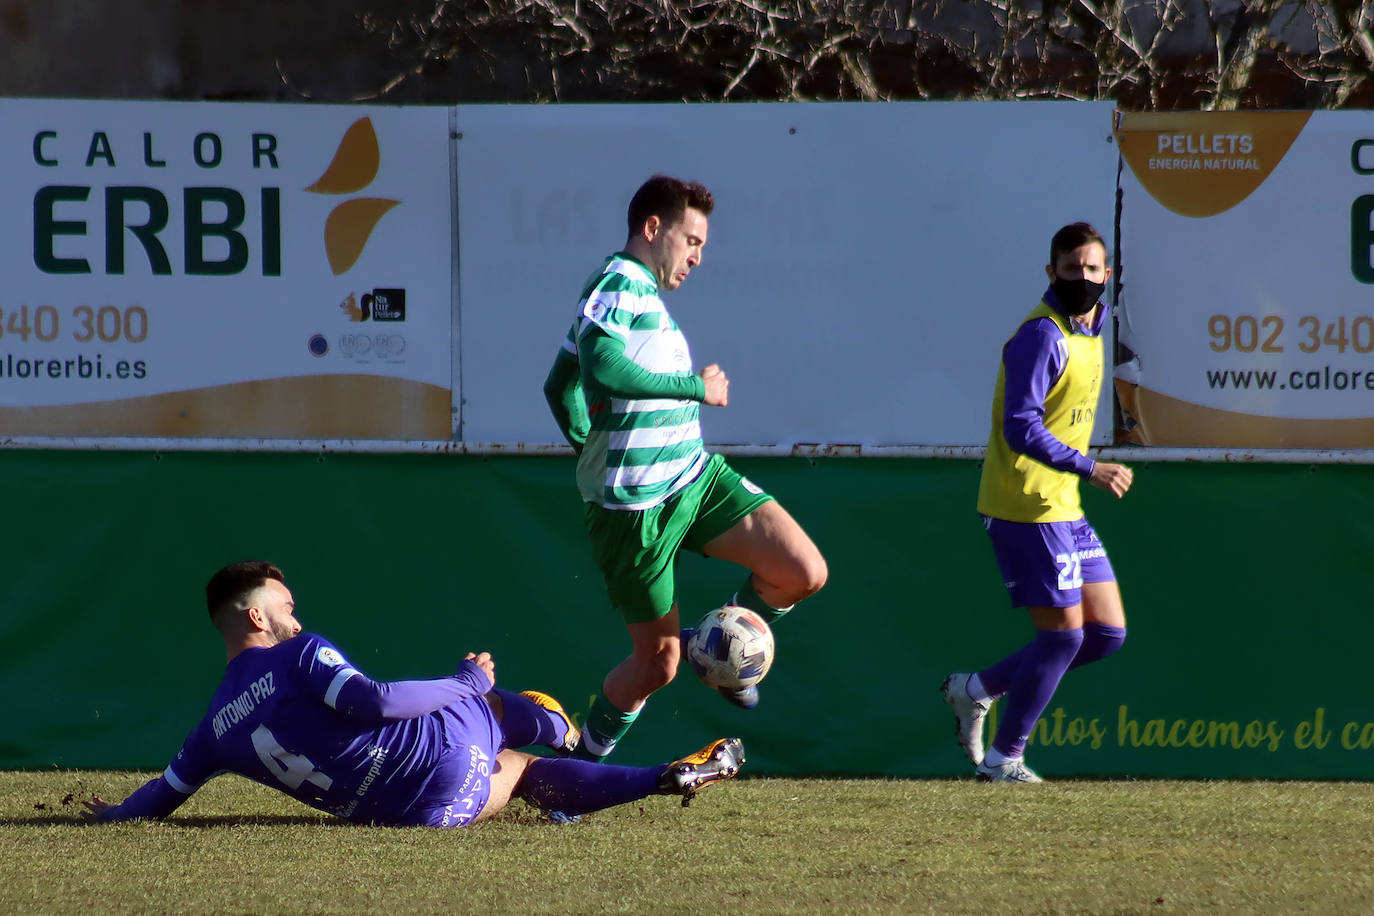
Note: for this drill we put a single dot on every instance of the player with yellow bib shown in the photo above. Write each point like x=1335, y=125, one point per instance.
x=1051, y=559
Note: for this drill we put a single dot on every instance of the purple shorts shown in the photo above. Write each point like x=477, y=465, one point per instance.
x=1044, y=564
x=461, y=783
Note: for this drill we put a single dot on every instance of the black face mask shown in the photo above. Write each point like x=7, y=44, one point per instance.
x=1077, y=296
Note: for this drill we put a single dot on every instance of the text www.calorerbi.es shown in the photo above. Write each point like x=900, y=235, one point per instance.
x=1325, y=378
x=93, y=367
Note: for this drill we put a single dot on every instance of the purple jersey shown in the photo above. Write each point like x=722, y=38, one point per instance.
x=1034, y=359
x=299, y=718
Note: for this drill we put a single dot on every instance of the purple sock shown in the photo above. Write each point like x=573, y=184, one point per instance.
x=576, y=786
x=526, y=723
x=997, y=678
x=1099, y=641
x=1046, y=659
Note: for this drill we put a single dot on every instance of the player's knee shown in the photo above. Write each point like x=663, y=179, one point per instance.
x=818, y=573
x=1100, y=642
x=668, y=659
x=657, y=668
x=661, y=672
x=809, y=577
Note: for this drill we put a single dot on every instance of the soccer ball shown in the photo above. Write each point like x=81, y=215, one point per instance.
x=732, y=647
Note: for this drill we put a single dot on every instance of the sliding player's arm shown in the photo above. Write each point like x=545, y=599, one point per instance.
x=159, y=797
x=343, y=687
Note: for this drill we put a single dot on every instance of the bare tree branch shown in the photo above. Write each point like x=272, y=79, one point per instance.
x=1139, y=53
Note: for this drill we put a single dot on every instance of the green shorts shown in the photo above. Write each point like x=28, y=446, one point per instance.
x=635, y=550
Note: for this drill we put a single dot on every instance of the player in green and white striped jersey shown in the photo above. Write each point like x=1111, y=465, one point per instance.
x=643, y=442
x=624, y=394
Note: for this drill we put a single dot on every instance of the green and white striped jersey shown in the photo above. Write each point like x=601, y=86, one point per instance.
x=638, y=451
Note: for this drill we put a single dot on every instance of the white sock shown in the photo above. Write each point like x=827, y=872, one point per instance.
x=734, y=600
x=596, y=747
x=995, y=758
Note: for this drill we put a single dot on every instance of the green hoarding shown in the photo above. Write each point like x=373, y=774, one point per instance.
x=1244, y=588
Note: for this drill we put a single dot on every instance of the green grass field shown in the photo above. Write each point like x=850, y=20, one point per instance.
x=755, y=845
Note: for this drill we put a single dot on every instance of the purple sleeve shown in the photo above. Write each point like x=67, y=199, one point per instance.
x=154, y=800
x=159, y=797
x=360, y=697
x=1032, y=362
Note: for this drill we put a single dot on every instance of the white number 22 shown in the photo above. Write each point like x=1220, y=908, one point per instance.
x=1070, y=570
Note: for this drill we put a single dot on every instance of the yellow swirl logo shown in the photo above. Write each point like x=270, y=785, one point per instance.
x=1203, y=163
x=351, y=223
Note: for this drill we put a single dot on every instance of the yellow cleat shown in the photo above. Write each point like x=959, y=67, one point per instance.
x=716, y=762
x=545, y=701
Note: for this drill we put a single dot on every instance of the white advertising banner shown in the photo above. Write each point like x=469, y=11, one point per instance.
x=1248, y=281
x=864, y=266
x=225, y=270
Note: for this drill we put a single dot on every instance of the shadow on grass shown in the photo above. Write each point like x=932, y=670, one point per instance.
x=257, y=820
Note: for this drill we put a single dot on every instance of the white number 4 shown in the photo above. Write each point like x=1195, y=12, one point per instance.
x=291, y=769
x=1070, y=570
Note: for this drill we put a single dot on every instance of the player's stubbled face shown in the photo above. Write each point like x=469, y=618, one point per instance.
x=280, y=609
x=678, y=248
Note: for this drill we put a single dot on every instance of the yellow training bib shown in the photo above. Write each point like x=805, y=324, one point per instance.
x=1017, y=488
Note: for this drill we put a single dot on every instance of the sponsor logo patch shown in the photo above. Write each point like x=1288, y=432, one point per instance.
x=329, y=657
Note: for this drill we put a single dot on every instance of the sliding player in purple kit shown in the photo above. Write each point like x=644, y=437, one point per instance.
x=293, y=714
x=1051, y=559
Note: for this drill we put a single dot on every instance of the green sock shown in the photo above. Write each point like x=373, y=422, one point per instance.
x=605, y=726
x=747, y=597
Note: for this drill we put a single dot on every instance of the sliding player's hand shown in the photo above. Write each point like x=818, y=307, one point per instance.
x=484, y=662
x=1114, y=478
x=95, y=807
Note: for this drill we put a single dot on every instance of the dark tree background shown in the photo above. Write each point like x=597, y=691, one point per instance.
x=1145, y=54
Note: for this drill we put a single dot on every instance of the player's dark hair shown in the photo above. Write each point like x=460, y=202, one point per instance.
x=1074, y=235
x=233, y=582
x=668, y=199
